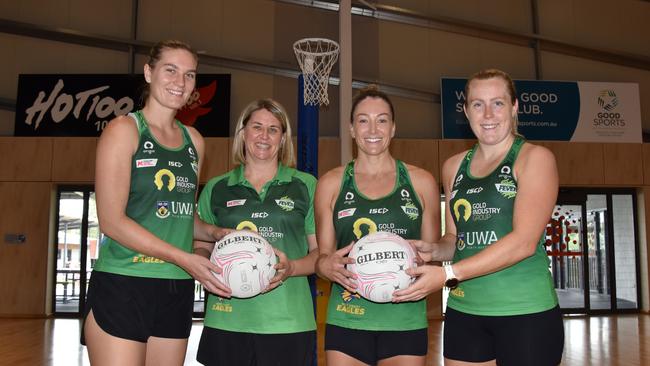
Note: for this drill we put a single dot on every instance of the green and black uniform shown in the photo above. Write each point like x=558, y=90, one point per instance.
x=355, y=216
x=482, y=209
x=283, y=214
x=134, y=296
x=161, y=199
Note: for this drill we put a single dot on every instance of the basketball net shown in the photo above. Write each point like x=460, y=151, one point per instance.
x=316, y=56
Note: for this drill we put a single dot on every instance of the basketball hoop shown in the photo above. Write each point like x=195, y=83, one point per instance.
x=316, y=56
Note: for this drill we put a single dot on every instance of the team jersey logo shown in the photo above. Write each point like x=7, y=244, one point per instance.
x=478, y=239
x=460, y=241
x=162, y=209
x=404, y=193
x=183, y=185
x=411, y=210
x=147, y=147
x=348, y=296
x=505, y=172
x=233, y=203
x=467, y=209
x=145, y=163
x=246, y=225
x=453, y=194
x=285, y=203
x=507, y=188
x=457, y=292
x=346, y=213
x=349, y=198
x=171, y=179
x=195, y=166
x=459, y=178
x=363, y=222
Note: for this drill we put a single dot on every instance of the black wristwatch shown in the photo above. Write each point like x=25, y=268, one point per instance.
x=451, y=282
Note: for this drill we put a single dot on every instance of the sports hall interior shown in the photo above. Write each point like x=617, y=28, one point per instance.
x=403, y=46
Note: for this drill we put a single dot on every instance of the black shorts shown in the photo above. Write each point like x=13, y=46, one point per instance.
x=524, y=340
x=137, y=308
x=370, y=346
x=224, y=348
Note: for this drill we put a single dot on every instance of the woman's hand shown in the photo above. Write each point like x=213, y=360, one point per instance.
x=332, y=267
x=283, y=270
x=201, y=269
x=429, y=279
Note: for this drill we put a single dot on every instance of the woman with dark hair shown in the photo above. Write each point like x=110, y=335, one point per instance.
x=141, y=294
x=373, y=192
x=264, y=193
x=502, y=306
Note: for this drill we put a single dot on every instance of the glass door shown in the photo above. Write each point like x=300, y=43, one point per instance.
x=565, y=242
x=591, y=243
x=76, y=245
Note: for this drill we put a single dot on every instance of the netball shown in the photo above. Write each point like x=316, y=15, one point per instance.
x=380, y=263
x=247, y=262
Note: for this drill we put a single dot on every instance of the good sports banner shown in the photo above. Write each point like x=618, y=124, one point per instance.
x=82, y=105
x=557, y=110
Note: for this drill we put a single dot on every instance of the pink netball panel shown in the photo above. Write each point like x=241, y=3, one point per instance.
x=380, y=263
x=247, y=262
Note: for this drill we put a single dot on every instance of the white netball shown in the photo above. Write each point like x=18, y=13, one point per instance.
x=380, y=263
x=247, y=262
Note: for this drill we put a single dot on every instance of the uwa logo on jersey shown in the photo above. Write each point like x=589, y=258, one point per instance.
x=164, y=209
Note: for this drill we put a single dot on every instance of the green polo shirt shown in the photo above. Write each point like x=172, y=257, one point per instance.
x=282, y=213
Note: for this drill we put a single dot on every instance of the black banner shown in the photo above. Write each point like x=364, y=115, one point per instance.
x=82, y=105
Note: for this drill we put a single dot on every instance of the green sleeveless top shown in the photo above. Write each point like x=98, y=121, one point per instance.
x=482, y=209
x=283, y=214
x=355, y=216
x=161, y=199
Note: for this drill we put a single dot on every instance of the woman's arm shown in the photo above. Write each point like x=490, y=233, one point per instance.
x=330, y=264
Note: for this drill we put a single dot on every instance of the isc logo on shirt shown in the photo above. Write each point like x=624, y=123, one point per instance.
x=259, y=215
x=378, y=211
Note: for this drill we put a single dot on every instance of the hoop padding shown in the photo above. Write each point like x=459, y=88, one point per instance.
x=316, y=56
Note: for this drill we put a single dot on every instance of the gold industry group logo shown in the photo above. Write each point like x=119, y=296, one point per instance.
x=158, y=179
x=467, y=209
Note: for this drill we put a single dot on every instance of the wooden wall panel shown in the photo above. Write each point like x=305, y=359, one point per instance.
x=74, y=159
x=23, y=267
x=448, y=148
x=329, y=154
x=217, y=158
x=623, y=164
x=421, y=153
x=646, y=164
x=434, y=305
x=578, y=163
x=25, y=159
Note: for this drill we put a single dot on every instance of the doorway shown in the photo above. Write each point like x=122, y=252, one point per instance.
x=591, y=240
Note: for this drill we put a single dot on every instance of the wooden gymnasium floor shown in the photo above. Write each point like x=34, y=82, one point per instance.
x=597, y=340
